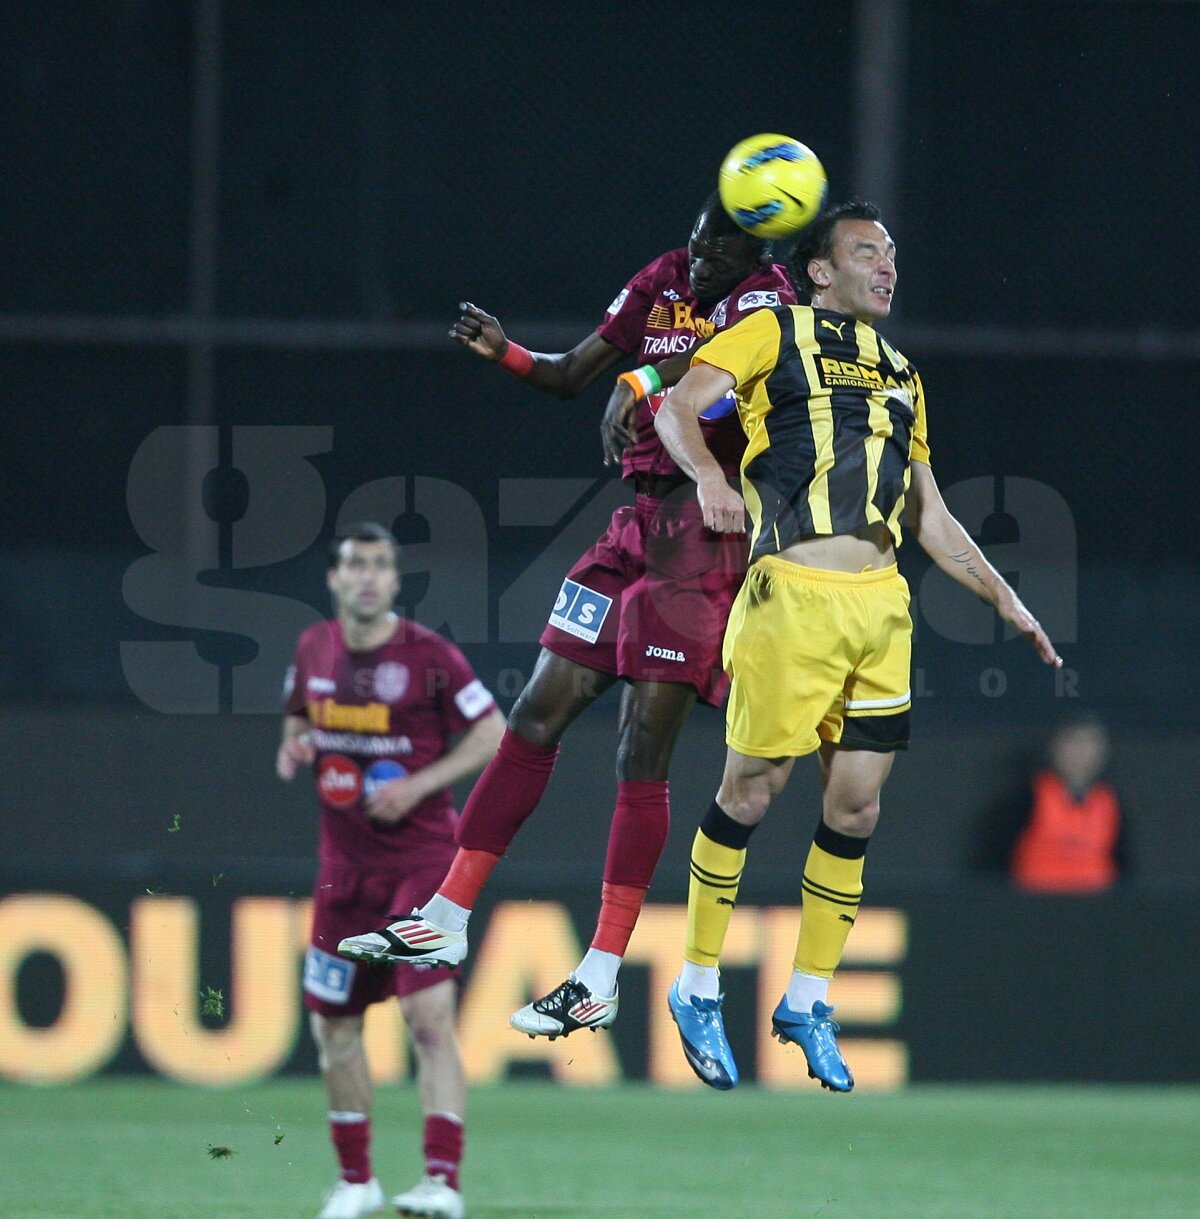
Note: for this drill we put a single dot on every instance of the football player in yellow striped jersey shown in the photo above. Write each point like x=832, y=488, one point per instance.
x=818, y=641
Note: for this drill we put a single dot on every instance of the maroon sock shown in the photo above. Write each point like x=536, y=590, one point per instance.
x=638, y=832
x=444, y=1137
x=352, y=1141
x=506, y=793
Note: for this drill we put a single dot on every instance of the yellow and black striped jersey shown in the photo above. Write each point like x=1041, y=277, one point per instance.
x=834, y=414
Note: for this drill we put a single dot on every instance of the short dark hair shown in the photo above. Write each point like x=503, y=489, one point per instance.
x=719, y=223
x=362, y=531
x=817, y=240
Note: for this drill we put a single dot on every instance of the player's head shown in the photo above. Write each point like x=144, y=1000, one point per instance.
x=720, y=255
x=846, y=261
x=1079, y=750
x=364, y=571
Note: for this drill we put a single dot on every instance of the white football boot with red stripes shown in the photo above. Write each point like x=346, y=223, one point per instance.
x=412, y=939
x=566, y=1008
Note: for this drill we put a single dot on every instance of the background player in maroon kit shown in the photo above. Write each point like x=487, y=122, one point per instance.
x=371, y=703
x=647, y=604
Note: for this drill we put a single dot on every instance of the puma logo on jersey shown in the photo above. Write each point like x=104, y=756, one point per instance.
x=836, y=328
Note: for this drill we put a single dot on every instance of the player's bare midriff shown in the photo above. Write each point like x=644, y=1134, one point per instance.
x=866, y=549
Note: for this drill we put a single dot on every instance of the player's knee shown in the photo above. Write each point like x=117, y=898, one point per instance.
x=430, y=1032
x=746, y=803
x=856, y=816
x=337, y=1040
x=536, y=722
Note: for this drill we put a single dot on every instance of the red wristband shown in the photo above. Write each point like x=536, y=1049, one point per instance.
x=516, y=359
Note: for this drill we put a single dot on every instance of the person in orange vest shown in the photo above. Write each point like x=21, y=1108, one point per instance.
x=1073, y=837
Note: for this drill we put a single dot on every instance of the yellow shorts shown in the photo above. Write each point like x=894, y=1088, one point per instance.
x=816, y=656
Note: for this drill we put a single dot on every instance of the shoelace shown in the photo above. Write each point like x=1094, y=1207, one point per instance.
x=823, y=1028
x=563, y=996
x=707, y=1009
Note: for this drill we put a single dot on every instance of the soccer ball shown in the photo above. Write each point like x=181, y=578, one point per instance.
x=772, y=185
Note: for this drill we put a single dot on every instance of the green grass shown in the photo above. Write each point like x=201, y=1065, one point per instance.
x=115, y=1149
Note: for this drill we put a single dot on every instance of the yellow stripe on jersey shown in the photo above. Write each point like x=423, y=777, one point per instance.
x=833, y=414
x=821, y=423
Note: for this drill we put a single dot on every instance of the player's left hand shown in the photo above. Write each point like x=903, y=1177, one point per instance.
x=617, y=429
x=393, y=801
x=723, y=508
x=1013, y=611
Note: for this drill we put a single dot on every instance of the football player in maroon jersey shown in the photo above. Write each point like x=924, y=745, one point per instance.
x=371, y=703
x=646, y=605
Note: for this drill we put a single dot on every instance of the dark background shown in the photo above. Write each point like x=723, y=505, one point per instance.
x=227, y=215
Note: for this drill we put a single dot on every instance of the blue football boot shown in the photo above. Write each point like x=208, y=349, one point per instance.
x=702, y=1031
x=814, y=1033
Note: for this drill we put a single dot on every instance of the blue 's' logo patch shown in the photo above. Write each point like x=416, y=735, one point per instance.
x=328, y=977
x=580, y=611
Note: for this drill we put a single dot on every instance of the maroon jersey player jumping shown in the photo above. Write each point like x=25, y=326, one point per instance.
x=371, y=703
x=647, y=604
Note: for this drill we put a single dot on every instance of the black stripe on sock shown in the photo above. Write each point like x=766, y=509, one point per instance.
x=706, y=879
x=815, y=886
x=704, y=874
x=841, y=845
x=722, y=829
x=837, y=901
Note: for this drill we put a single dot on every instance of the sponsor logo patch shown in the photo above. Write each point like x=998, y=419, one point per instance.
x=328, y=977
x=622, y=297
x=339, y=780
x=379, y=773
x=657, y=653
x=391, y=680
x=473, y=699
x=580, y=611
x=758, y=300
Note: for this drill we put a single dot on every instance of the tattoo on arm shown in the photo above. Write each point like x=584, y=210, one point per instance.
x=964, y=560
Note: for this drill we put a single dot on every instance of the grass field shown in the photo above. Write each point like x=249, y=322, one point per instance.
x=140, y=1150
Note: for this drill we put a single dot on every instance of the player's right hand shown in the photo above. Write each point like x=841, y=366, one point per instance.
x=617, y=430
x=478, y=332
x=722, y=506
x=294, y=752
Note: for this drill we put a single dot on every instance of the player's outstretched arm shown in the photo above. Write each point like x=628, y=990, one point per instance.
x=950, y=546
x=564, y=374
x=678, y=426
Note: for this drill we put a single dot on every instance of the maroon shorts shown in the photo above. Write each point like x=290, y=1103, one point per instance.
x=649, y=601
x=350, y=901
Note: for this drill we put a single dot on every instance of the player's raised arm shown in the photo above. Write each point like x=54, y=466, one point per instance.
x=678, y=427
x=564, y=374
x=950, y=546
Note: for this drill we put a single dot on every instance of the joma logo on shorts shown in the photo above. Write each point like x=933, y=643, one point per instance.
x=664, y=653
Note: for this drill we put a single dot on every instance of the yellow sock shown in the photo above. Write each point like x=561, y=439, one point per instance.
x=832, y=889
x=718, y=856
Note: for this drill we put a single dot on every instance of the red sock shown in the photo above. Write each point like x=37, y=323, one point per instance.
x=620, y=906
x=443, y=1147
x=352, y=1141
x=635, y=843
x=506, y=793
x=467, y=876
